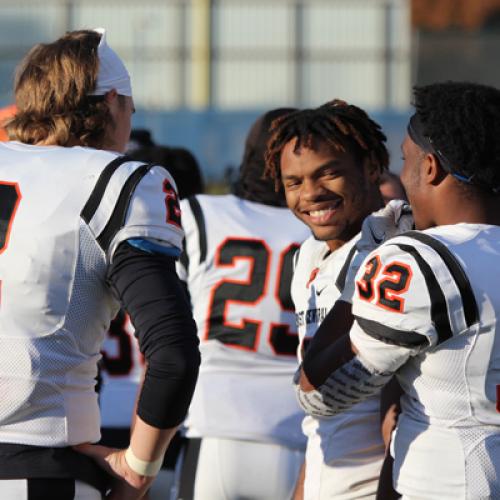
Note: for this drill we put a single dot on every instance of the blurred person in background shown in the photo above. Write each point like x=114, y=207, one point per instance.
x=5, y=114
x=329, y=160
x=182, y=164
x=83, y=230
x=391, y=187
x=140, y=138
x=243, y=427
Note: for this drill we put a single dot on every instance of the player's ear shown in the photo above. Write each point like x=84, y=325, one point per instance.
x=432, y=170
x=111, y=95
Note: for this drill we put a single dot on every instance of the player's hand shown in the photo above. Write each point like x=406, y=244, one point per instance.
x=128, y=485
x=395, y=218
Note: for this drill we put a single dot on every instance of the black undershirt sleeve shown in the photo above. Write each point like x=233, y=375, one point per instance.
x=150, y=291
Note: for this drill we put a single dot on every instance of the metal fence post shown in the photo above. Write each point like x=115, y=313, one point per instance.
x=201, y=49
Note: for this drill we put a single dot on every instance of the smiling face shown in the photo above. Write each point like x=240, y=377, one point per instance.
x=328, y=190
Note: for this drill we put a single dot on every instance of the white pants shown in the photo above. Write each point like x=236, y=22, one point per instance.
x=230, y=469
x=25, y=489
x=340, y=478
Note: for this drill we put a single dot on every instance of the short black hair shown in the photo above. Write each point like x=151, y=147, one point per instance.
x=140, y=138
x=181, y=164
x=462, y=119
x=342, y=126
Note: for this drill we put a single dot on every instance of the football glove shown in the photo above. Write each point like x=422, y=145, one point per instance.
x=395, y=218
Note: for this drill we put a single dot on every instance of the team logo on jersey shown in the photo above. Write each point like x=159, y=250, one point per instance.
x=313, y=275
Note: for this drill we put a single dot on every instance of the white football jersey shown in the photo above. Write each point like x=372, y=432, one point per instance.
x=238, y=273
x=345, y=452
x=432, y=298
x=63, y=211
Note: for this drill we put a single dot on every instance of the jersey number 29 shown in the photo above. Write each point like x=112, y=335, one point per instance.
x=251, y=291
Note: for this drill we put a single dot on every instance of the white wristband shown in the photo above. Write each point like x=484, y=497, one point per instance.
x=142, y=467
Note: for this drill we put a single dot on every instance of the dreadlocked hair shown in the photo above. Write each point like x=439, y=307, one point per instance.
x=342, y=126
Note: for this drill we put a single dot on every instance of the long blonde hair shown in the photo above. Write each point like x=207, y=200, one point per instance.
x=52, y=88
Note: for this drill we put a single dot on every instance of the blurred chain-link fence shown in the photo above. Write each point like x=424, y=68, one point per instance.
x=233, y=54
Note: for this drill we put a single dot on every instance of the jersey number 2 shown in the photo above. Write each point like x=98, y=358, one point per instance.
x=388, y=290
x=248, y=292
x=172, y=204
x=10, y=195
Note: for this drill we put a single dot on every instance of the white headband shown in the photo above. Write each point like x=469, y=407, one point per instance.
x=112, y=72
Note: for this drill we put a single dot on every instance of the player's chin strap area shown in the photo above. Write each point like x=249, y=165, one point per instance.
x=350, y=384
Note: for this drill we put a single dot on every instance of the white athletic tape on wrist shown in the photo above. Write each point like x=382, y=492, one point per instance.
x=142, y=467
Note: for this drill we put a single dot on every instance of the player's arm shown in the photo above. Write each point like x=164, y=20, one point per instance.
x=142, y=240
x=152, y=294
x=317, y=364
x=390, y=408
x=380, y=226
x=391, y=307
x=298, y=493
x=411, y=294
x=389, y=412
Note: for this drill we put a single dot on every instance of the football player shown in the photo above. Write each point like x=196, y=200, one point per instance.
x=426, y=306
x=243, y=425
x=122, y=362
x=82, y=229
x=329, y=161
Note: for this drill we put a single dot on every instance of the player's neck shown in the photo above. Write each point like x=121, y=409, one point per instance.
x=69, y=144
x=480, y=210
x=347, y=235
x=335, y=244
